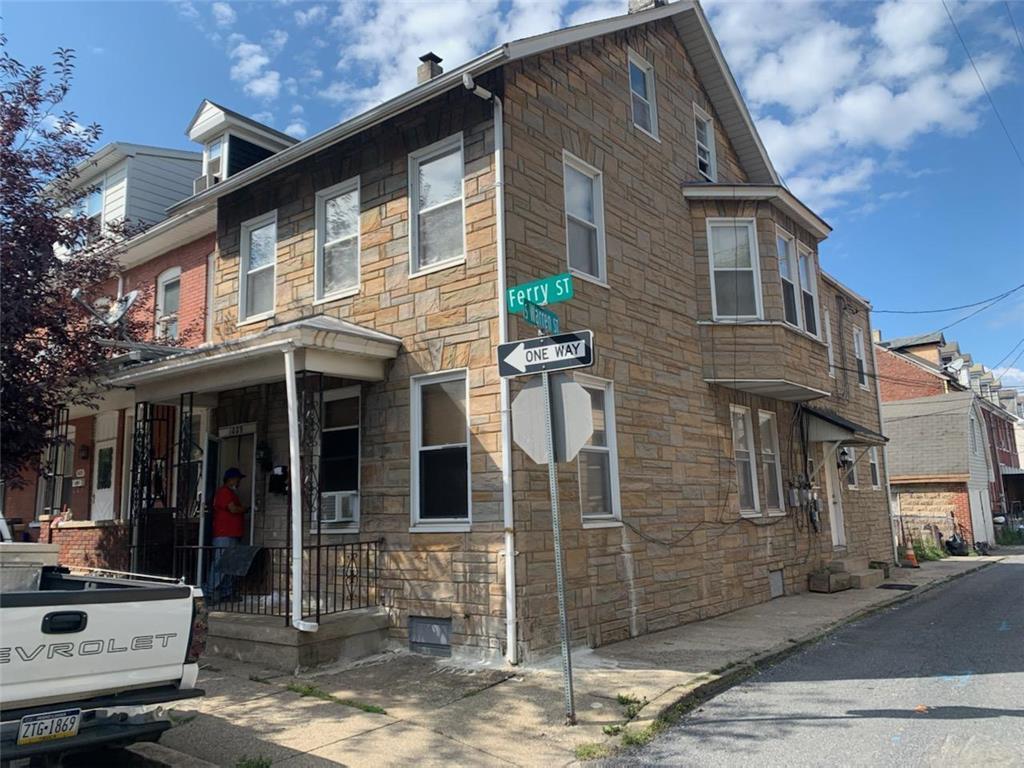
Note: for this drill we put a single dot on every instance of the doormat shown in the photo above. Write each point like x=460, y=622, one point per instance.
x=904, y=587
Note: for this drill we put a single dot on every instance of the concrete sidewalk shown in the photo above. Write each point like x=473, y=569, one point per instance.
x=401, y=708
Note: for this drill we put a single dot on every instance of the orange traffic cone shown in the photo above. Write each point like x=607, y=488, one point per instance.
x=911, y=558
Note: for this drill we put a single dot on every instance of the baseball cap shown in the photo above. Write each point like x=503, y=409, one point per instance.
x=233, y=472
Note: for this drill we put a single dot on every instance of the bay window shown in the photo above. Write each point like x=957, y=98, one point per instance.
x=735, y=282
x=784, y=248
x=440, y=469
x=809, y=291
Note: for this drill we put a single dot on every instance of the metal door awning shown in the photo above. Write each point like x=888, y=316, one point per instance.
x=827, y=427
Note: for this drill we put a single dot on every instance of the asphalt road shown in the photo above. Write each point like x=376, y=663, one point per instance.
x=937, y=680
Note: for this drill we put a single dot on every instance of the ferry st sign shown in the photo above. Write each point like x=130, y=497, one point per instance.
x=546, y=353
x=547, y=290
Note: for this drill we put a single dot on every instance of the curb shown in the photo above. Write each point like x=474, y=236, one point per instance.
x=677, y=701
x=153, y=755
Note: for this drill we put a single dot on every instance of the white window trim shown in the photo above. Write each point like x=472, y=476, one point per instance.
x=569, y=159
x=699, y=113
x=752, y=450
x=223, y=138
x=320, y=216
x=858, y=340
x=648, y=70
x=827, y=322
x=853, y=469
x=165, y=277
x=812, y=264
x=416, y=158
x=755, y=265
x=243, y=267
x=794, y=268
x=873, y=463
x=344, y=393
x=778, y=508
x=436, y=525
x=612, y=449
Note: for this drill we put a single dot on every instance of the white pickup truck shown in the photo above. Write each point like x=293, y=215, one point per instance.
x=92, y=660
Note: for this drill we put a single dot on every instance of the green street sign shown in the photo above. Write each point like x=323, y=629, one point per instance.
x=541, y=318
x=547, y=290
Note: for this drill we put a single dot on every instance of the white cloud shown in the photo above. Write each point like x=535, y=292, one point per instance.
x=297, y=128
x=267, y=86
x=594, y=10
x=907, y=32
x=276, y=40
x=186, y=9
x=313, y=15
x=266, y=117
x=297, y=109
x=223, y=14
x=823, y=192
x=1010, y=377
x=250, y=59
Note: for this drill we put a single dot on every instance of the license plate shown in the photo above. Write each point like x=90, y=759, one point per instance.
x=48, y=726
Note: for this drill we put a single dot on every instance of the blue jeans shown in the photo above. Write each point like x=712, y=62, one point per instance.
x=220, y=586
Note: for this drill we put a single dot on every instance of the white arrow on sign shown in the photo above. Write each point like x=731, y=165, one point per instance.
x=521, y=357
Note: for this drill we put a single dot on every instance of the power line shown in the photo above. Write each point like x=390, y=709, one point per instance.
x=1009, y=13
x=944, y=309
x=1008, y=367
x=984, y=87
x=969, y=315
x=1014, y=349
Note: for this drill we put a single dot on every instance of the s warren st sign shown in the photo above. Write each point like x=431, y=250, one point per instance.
x=546, y=353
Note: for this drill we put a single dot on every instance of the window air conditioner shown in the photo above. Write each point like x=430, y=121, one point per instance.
x=338, y=506
x=203, y=183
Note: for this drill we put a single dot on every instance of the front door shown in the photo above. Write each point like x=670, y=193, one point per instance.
x=239, y=451
x=834, y=491
x=103, y=479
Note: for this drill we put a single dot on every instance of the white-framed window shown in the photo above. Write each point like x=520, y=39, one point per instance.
x=771, y=463
x=851, y=471
x=168, y=302
x=785, y=249
x=743, y=453
x=215, y=157
x=337, y=240
x=809, y=290
x=704, y=130
x=258, y=268
x=92, y=207
x=436, y=198
x=441, y=474
x=876, y=474
x=828, y=344
x=735, y=271
x=598, y=460
x=643, y=100
x=584, y=218
x=858, y=353
x=339, y=460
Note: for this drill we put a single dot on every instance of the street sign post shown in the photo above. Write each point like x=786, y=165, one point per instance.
x=541, y=318
x=546, y=353
x=575, y=424
x=547, y=290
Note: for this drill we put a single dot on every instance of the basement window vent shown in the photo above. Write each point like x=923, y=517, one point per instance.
x=431, y=636
x=776, y=585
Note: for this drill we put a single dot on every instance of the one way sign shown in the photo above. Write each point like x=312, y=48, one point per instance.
x=546, y=353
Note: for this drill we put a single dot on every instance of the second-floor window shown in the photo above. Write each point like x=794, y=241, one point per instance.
x=584, y=218
x=168, y=302
x=876, y=476
x=258, y=265
x=641, y=90
x=435, y=194
x=735, y=283
x=828, y=344
x=809, y=290
x=704, y=128
x=337, y=239
x=851, y=471
x=858, y=353
x=784, y=248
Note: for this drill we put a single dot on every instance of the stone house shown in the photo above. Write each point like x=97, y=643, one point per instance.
x=358, y=296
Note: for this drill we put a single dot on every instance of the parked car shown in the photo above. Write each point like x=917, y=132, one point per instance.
x=91, y=659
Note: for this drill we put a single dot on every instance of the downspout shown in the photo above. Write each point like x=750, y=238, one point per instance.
x=295, y=484
x=511, y=619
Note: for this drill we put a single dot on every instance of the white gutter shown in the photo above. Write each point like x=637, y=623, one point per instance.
x=295, y=484
x=511, y=616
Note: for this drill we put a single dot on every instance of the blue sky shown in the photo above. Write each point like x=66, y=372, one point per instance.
x=871, y=111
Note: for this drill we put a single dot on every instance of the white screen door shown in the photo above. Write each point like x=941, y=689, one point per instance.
x=833, y=489
x=104, y=466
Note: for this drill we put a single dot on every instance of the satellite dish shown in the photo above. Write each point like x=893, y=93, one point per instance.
x=955, y=365
x=114, y=313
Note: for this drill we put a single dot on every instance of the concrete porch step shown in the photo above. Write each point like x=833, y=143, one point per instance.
x=849, y=565
x=867, y=579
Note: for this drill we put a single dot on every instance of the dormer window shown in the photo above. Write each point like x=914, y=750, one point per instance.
x=214, y=157
x=93, y=208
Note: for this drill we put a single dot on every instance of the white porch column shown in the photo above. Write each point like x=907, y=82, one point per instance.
x=295, y=486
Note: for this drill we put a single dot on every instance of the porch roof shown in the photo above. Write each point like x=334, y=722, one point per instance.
x=323, y=344
x=825, y=427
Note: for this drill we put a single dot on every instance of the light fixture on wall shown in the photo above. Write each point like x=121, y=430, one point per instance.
x=843, y=458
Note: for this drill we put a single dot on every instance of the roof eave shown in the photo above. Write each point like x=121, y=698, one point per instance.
x=774, y=193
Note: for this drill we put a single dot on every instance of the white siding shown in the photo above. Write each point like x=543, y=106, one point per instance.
x=977, y=484
x=114, y=182
x=156, y=182
x=209, y=118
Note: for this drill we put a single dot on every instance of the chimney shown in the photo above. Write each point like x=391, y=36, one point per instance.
x=430, y=68
x=635, y=6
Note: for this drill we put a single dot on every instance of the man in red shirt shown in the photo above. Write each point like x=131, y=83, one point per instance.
x=228, y=530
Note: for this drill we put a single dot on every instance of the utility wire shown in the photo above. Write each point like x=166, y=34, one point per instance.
x=969, y=315
x=1014, y=349
x=1009, y=13
x=1011, y=364
x=944, y=309
x=984, y=87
